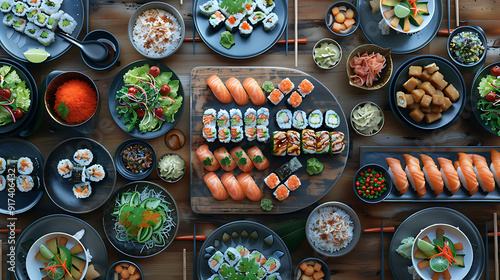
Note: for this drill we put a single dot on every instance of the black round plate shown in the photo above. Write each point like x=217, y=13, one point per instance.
x=257, y=43
x=24, y=201
x=60, y=190
x=15, y=43
x=475, y=97
x=133, y=248
x=117, y=84
x=424, y=218
x=120, y=167
x=215, y=240
x=400, y=43
x=451, y=75
x=20, y=124
x=61, y=223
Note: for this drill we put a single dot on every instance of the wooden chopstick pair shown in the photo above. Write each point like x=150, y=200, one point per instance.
x=495, y=238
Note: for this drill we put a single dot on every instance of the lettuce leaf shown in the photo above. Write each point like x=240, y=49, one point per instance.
x=4, y=70
x=130, y=76
x=23, y=100
x=11, y=80
x=174, y=87
x=485, y=85
x=169, y=111
x=5, y=117
x=163, y=78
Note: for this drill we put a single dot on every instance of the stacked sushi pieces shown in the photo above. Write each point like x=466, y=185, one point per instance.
x=81, y=172
x=20, y=171
x=37, y=19
x=292, y=143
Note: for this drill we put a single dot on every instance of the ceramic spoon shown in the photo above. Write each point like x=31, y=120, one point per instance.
x=94, y=50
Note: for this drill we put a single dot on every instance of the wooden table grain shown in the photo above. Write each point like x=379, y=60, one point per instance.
x=364, y=261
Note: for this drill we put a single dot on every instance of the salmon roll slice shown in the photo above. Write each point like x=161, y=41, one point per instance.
x=224, y=158
x=286, y=86
x=242, y=159
x=305, y=87
x=293, y=182
x=215, y=186
x=233, y=187
x=220, y=91
x=397, y=174
x=495, y=165
x=281, y=192
x=295, y=99
x=254, y=91
x=449, y=174
x=207, y=158
x=251, y=189
x=484, y=174
x=432, y=174
x=259, y=160
x=272, y=180
x=415, y=174
x=209, y=117
x=275, y=96
x=466, y=173
x=237, y=91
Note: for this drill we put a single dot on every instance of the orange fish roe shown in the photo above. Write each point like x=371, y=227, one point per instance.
x=295, y=99
x=79, y=97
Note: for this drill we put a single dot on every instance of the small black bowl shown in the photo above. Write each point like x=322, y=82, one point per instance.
x=388, y=183
x=348, y=6
x=324, y=268
x=111, y=43
x=111, y=270
x=120, y=166
x=482, y=37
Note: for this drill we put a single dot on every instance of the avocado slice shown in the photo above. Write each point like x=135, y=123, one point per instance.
x=460, y=260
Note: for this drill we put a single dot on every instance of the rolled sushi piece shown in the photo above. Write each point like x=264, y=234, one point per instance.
x=305, y=87
x=231, y=256
x=308, y=141
x=293, y=143
x=83, y=157
x=216, y=261
x=222, y=118
x=250, y=133
x=3, y=182
x=65, y=168
x=256, y=18
x=293, y=182
x=272, y=265
x=67, y=23
x=6, y=6
x=266, y=6
x=3, y=165
x=286, y=86
x=287, y=169
x=322, y=142
x=217, y=20
x=299, y=120
x=34, y=3
x=332, y=120
x=236, y=119
x=46, y=36
x=281, y=193
x=31, y=30
x=337, y=144
x=284, y=119
x=232, y=23
x=78, y=174
x=95, y=173
x=294, y=100
x=279, y=143
x=236, y=134
x=9, y=19
x=209, y=7
x=51, y=6
x=209, y=117
x=25, y=183
x=250, y=7
x=275, y=96
x=224, y=135
x=262, y=133
x=272, y=180
x=242, y=250
x=263, y=116
x=82, y=190
x=19, y=9
x=258, y=256
x=19, y=24
x=245, y=28
x=270, y=21
x=53, y=21
x=40, y=19
x=31, y=13
x=315, y=119
x=209, y=133
x=24, y=166
x=274, y=276
x=261, y=273
x=250, y=117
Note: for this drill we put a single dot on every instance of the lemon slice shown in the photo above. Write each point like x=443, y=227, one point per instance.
x=36, y=55
x=424, y=245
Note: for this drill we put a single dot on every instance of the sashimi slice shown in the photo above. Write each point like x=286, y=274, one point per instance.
x=484, y=175
x=220, y=91
x=466, y=173
x=450, y=175
x=415, y=174
x=251, y=189
x=254, y=91
x=215, y=186
x=232, y=185
x=495, y=165
x=237, y=91
x=432, y=174
x=397, y=174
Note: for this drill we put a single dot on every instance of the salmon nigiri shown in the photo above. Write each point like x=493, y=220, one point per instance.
x=397, y=174
x=466, y=173
x=415, y=174
x=449, y=174
x=220, y=91
x=432, y=174
x=258, y=158
x=242, y=159
x=484, y=175
x=251, y=189
x=237, y=91
x=225, y=160
x=215, y=186
x=254, y=91
x=232, y=185
x=495, y=165
x=207, y=158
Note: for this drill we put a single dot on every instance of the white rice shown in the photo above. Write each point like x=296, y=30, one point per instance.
x=330, y=229
x=156, y=32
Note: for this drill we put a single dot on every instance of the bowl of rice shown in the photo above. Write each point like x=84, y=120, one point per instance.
x=156, y=30
x=333, y=229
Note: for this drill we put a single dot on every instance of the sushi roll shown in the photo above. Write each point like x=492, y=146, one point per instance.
x=337, y=144
x=281, y=193
x=209, y=7
x=19, y=9
x=274, y=276
x=308, y=141
x=293, y=183
x=284, y=119
x=209, y=117
x=51, y=6
x=25, y=183
x=82, y=190
x=53, y=21
x=3, y=165
x=34, y=3
x=332, y=119
x=286, y=86
x=95, y=173
x=299, y=120
x=250, y=133
x=236, y=118
x=245, y=29
x=279, y=143
x=31, y=30
x=263, y=116
x=232, y=23
x=256, y=18
x=67, y=23
x=275, y=96
x=266, y=6
x=216, y=20
x=31, y=14
x=216, y=261
x=272, y=265
x=40, y=19
x=19, y=24
x=262, y=133
x=3, y=182
x=295, y=99
x=222, y=118
x=270, y=21
x=259, y=257
x=242, y=250
x=250, y=6
x=78, y=174
x=83, y=157
x=209, y=133
x=250, y=117
x=6, y=6
x=293, y=143
x=322, y=142
x=64, y=168
x=305, y=87
x=315, y=119
x=46, y=36
x=9, y=19
x=261, y=273
x=272, y=181
x=24, y=166
x=236, y=134
x=224, y=135
x=231, y=256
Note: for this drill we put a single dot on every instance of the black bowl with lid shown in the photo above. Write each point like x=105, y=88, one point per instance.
x=142, y=150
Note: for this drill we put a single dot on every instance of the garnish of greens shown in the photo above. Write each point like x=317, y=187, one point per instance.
x=227, y=39
x=489, y=91
x=143, y=217
x=146, y=101
x=266, y=204
x=246, y=269
x=405, y=248
x=314, y=166
x=233, y=6
x=14, y=96
x=268, y=86
x=63, y=109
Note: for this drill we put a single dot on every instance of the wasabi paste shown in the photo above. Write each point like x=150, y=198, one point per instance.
x=314, y=166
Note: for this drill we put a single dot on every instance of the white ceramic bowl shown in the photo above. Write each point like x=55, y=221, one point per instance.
x=455, y=235
x=413, y=28
x=33, y=265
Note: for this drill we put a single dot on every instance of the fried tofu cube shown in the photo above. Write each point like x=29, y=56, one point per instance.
x=411, y=84
x=438, y=93
x=415, y=71
x=425, y=76
x=426, y=110
x=447, y=104
x=426, y=100
x=417, y=94
x=451, y=92
x=417, y=115
x=436, y=78
x=442, y=85
x=409, y=100
x=401, y=99
x=428, y=88
x=431, y=68
x=432, y=117
x=413, y=106
x=436, y=108
x=438, y=100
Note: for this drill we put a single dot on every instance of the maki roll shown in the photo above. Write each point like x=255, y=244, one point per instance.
x=31, y=14
x=46, y=36
x=51, y=6
x=224, y=134
x=24, y=166
x=209, y=8
x=6, y=6
x=262, y=133
x=332, y=119
x=66, y=23
x=337, y=142
x=308, y=141
x=258, y=256
x=261, y=273
x=263, y=116
x=281, y=193
x=284, y=119
x=322, y=142
x=216, y=261
x=250, y=7
x=315, y=119
x=270, y=21
x=275, y=96
x=232, y=23
x=209, y=133
x=256, y=18
x=299, y=120
x=3, y=165
x=236, y=118
x=250, y=117
x=31, y=30
x=286, y=86
x=266, y=6
x=95, y=173
x=9, y=19
x=305, y=87
x=231, y=256
x=242, y=250
x=64, y=168
x=3, y=182
x=40, y=19
x=216, y=20
x=272, y=265
x=293, y=183
x=279, y=143
x=78, y=174
x=273, y=276
x=222, y=118
x=245, y=29
x=54, y=20
x=272, y=181
x=34, y=3
x=82, y=190
x=19, y=24
x=250, y=133
x=209, y=117
x=236, y=134
x=288, y=168
x=25, y=183
x=83, y=157
x=294, y=100
x=293, y=146
x=19, y=9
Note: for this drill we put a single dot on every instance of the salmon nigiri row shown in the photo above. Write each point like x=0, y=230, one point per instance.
x=229, y=160
x=233, y=89
x=229, y=186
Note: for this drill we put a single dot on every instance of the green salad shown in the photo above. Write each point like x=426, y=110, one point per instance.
x=14, y=96
x=148, y=98
x=489, y=91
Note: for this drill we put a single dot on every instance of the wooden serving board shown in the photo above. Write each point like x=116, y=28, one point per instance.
x=313, y=187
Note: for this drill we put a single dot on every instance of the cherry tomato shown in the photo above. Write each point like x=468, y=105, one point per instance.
x=491, y=96
x=132, y=90
x=159, y=112
x=140, y=113
x=7, y=93
x=154, y=71
x=18, y=113
x=165, y=89
x=495, y=71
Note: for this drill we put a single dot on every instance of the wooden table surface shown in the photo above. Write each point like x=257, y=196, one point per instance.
x=364, y=261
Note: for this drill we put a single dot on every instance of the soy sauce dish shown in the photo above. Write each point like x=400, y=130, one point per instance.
x=108, y=39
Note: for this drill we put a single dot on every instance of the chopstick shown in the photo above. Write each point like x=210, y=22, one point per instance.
x=191, y=237
x=6, y=230
x=448, y=2
x=496, y=244
x=286, y=32
x=296, y=27
x=194, y=29
x=457, y=12
x=385, y=229
x=487, y=262
x=382, y=271
x=1, y=261
x=184, y=276
x=195, y=277
x=290, y=41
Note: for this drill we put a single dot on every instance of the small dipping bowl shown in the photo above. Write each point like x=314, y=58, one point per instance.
x=111, y=43
x=110, y=274
x=324, y=268
x=470, y=67
x=158, y=168
x=383, y=76
x=387, y=183
x=351, y=29
x=329, y=41
x=120, y=165
x=361, y=104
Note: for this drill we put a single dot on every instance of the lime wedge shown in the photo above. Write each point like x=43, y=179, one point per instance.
x=46, y=252
x=36, y=55
x=59, y=272
x=424, y=245
x=439, y=264
x=401, y=10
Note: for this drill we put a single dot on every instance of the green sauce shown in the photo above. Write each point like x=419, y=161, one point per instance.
x=314, y=166
x=227, y=39
x=268, y=86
